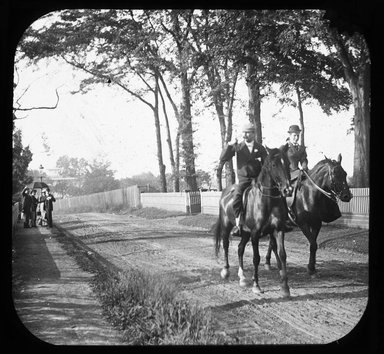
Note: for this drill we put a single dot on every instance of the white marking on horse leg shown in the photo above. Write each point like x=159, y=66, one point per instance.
x=224, y=273
x=243, y=280
x=240, y=273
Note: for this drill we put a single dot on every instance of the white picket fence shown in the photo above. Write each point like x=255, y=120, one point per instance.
x=127, y=197
x=175, y=201
x=359, y=204
x=354, y=213
x=187, y=202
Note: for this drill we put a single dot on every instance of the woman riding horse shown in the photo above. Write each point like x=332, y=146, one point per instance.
x=296, y=153
x=265, y=213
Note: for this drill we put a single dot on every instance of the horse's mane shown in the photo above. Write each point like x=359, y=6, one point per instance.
x=315, y=169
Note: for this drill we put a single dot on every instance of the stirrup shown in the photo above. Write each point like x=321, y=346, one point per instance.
x=291, y=216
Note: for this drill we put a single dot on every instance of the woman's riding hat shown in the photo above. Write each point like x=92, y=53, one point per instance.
x=294, y=129
x=249, y=127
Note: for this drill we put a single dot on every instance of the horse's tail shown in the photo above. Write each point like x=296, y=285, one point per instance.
x=217, y=232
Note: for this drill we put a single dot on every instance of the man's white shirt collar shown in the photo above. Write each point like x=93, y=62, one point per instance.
x=249, y=146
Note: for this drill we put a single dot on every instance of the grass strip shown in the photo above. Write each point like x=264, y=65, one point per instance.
x=145, y=307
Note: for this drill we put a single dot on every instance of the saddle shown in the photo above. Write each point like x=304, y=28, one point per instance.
x=244, y=200
x=296, y=178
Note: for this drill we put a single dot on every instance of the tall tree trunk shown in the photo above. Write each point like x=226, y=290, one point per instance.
x=169, y=140
x=254, y=99
x=223, y=94
x=359, y=81
x=360, y=94
x=176, y=181
x=176, y=170
x=163, y=181
x=187, y=134
x=301, y=115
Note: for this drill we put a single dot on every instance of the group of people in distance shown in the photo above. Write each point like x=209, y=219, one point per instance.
x=37, y=211
x=250, y=158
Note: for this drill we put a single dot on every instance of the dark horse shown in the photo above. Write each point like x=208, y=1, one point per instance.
x=315, y=201
x=265, y=213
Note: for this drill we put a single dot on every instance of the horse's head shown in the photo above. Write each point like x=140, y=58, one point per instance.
x=338, y=180
x=277, y=165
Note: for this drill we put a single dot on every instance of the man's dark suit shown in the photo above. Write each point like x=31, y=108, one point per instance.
x=248, y=167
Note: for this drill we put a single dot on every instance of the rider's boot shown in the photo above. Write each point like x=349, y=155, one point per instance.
x=236, y=228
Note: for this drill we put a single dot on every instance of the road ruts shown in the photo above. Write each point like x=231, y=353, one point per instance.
x=320, y=310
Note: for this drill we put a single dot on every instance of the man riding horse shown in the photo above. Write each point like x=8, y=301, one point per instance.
x=250, y=157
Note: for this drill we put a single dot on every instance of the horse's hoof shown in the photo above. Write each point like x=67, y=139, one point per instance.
x=224, y=273
x=257, y=290
x=267, y=266
x=243, y=283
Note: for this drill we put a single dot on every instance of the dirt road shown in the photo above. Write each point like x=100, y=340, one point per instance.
x=320, y=310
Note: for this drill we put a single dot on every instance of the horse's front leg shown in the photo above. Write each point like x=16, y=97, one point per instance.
x=272, y=246
x=256, y=261
x=283, y=260
x=311, y=233
x=240, y=251
x=225, y=237
x=267, y=264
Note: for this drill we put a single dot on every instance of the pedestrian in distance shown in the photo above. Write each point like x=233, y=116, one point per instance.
x=49, y=207
x=250, y=156
x=34, y=203
x=27, y=205
x=42, y=220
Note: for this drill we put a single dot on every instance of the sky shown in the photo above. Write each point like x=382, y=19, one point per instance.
x=108, y=124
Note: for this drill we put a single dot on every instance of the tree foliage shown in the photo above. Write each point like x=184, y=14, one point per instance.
x=71, y=166
x=205, y=52
x=86, y=177
x=99, y=178
x=22, y=156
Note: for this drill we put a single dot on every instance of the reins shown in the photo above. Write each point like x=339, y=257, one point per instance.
x=329, y=195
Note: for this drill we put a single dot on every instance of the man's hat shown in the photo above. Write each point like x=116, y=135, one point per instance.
x=294, y=129
x=249, y=127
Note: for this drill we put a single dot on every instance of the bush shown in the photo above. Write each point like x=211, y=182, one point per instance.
x=145, y=307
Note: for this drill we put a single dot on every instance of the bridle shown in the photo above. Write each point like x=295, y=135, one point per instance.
x=276, y=186
x=260, y=186
x=332, y=195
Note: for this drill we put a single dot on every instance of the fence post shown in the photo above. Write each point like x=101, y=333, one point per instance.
x=187, y=203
